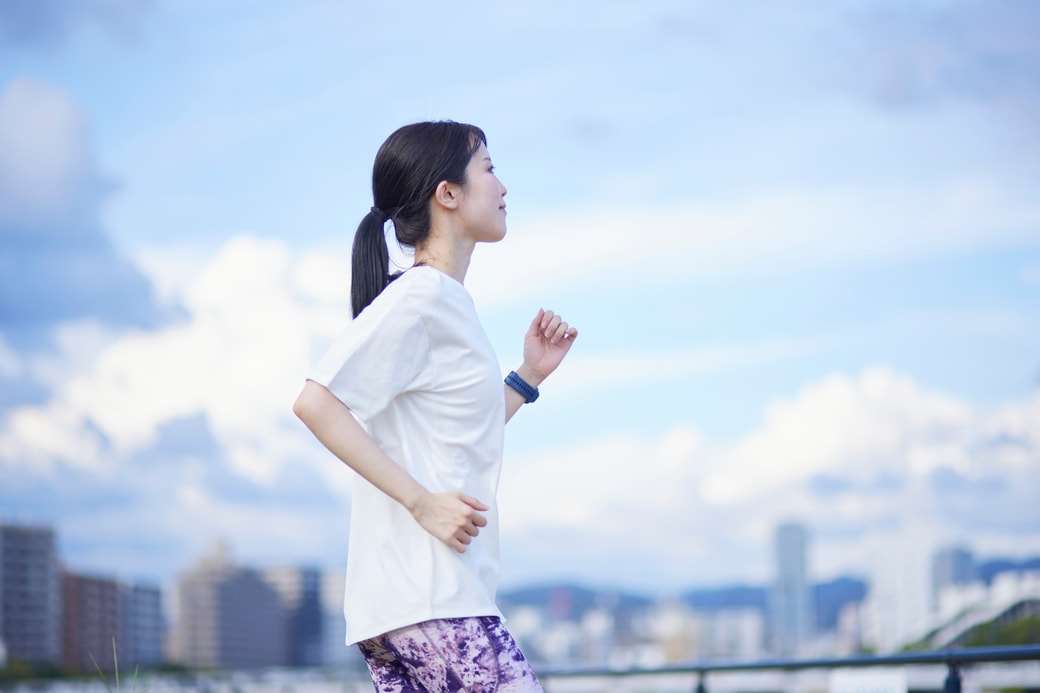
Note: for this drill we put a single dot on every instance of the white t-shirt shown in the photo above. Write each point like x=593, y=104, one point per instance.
x=416, y=368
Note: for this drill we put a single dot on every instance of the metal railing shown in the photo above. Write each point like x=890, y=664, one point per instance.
x=954, y=659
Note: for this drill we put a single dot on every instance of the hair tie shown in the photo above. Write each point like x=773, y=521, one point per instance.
x=383, y=216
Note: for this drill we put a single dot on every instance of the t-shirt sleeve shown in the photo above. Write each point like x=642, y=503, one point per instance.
x=381, y=354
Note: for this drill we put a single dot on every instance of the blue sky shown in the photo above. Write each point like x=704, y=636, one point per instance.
x=801, y=241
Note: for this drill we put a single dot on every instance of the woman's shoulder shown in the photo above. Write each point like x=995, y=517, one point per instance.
x=412, y=293
x=422, y=295
x=423, y=284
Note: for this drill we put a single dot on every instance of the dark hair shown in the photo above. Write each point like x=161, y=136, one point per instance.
x=408, y=168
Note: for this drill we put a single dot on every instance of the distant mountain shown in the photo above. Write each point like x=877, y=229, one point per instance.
x=831, y=597
x=990, y=569
x=729, y=597
x=570, y=602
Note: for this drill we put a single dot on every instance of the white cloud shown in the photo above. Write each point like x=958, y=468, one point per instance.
x=855, y=458
x=239, y=357
x=846, y=426
x=43, y=150
x=37, y=437
x=170, y=510
x=171, y=268
x=77, y=346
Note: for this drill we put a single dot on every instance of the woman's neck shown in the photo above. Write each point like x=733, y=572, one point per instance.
x=448, y=256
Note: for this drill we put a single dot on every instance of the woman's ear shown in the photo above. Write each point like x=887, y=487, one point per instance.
x=447, y=194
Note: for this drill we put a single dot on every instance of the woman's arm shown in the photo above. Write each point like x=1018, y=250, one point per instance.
x=549, y=338
x=453, y=517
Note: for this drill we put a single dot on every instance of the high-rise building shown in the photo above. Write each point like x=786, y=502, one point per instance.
x=227, y=617
x=90, y=622
x=30, y=594
x=141, y=626
x=300, y=592
x=953, y=565
x=791, y=606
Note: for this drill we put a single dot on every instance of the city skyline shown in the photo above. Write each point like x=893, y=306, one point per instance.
x=223, y=614
x=734, y=593
x=801, y=245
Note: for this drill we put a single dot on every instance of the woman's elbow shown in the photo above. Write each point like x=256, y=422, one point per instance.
x=306, y=405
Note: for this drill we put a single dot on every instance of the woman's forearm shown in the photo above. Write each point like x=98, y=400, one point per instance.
x=451, y=516
x=514, y=400
x=332, y=423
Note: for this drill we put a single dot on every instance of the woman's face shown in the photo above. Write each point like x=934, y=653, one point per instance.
x=483, y=205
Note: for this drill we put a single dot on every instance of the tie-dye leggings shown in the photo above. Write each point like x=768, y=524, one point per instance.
x=475, y=655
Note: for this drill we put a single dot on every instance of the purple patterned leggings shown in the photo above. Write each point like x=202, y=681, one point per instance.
x=475, y=655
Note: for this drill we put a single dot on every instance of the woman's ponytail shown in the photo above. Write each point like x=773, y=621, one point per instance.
x=370, y=261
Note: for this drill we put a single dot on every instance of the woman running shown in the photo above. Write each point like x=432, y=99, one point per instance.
x=410, y=396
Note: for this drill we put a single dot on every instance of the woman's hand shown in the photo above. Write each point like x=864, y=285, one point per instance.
x=547, y=341
x=453, y=517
